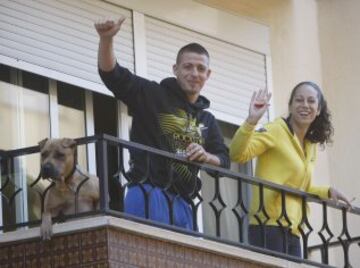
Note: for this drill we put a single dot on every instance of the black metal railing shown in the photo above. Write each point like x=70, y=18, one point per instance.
x=239, y=210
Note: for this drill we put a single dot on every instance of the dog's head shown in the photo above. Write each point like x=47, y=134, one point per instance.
x=58, y=158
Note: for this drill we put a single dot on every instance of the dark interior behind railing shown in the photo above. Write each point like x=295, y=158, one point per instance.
x=111, y=196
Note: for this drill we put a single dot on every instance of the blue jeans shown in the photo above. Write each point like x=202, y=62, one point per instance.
x=158, y=206
x=275, y=239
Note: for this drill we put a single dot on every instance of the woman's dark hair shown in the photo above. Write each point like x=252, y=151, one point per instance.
x=321, y=129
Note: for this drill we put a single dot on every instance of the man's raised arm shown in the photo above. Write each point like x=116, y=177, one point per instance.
x=107, y=29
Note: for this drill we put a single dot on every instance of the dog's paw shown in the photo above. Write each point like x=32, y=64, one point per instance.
x=46, y=230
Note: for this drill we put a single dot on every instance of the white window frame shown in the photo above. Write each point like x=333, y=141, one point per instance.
x=90, y=131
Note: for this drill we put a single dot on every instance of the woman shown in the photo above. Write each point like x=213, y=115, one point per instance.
x=286, y=151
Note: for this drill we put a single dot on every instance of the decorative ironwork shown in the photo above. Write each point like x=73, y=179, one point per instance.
x=217, y=204
x=284, y=218
x=240, y=211
x=326, y=235
x=304, y=227
x=261, y=213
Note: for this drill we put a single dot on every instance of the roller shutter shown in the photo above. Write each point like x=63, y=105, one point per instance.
x=60, y=36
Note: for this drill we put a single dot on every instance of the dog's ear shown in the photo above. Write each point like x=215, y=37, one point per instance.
x=42, y=143
x=68, y=143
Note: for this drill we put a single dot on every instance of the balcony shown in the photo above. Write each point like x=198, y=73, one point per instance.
x=110, y=238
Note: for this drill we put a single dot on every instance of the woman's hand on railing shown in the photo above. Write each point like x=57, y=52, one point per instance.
x=338, y=196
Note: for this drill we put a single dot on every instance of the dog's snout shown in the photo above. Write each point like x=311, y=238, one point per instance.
x=48, y=171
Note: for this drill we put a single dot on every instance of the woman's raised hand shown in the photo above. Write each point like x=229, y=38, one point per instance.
x=258, y=105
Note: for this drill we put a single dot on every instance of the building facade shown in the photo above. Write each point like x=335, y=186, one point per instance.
x=50, y=87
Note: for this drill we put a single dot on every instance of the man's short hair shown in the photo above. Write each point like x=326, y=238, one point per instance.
x=192, y=47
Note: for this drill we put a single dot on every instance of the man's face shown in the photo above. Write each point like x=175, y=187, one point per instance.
x=191, y=72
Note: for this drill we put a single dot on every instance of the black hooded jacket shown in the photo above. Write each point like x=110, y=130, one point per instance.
x=164, y=119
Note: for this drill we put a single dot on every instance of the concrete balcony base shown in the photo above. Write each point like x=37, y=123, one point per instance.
x=105, y=241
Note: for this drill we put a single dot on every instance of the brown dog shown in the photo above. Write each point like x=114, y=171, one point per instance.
x=58, y=163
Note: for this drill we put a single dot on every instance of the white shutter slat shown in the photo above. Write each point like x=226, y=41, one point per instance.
x=236, y=71
x=60, y=36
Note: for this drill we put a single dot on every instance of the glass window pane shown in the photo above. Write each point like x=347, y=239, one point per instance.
x=71, y=101
x=24, y=121
x=24, y=116
x=35, y=82
x=4, y=73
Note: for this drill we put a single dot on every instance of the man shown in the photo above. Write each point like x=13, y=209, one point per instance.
x=168, y=116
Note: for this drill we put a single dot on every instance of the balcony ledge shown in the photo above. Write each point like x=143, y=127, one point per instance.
x=145, y=241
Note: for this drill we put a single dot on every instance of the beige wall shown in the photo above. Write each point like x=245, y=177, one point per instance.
x=340, y=41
